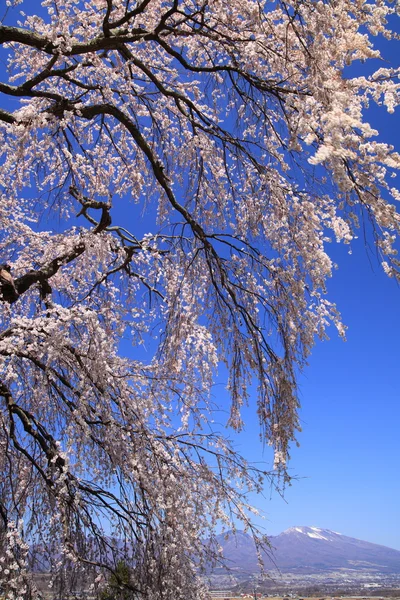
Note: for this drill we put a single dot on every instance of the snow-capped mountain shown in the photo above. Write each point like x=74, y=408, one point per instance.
x=311, y=550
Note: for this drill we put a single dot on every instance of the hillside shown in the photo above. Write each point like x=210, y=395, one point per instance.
x=311, y=550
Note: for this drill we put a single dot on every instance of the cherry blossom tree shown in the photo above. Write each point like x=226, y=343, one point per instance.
x=172, y=172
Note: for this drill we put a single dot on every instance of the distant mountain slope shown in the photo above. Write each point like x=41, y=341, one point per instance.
x=311, y=550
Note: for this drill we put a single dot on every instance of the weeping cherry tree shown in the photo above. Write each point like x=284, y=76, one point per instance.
x=172, y=173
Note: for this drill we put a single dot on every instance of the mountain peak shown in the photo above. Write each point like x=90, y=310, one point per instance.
x=311, y=549
x=312, y=532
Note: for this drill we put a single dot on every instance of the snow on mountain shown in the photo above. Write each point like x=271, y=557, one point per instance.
x=311, y=550
x=313, y=532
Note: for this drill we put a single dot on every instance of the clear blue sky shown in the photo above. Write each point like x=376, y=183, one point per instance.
x=348, y=461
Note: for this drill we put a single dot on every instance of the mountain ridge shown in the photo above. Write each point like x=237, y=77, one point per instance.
x=310, y=549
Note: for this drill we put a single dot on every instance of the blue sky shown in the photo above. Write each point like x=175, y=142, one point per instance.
x=348, y=461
